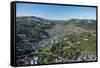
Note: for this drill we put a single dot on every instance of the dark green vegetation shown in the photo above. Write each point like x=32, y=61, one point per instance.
x=41, y=41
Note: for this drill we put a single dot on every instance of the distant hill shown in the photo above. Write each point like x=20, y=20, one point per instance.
x=83, y=23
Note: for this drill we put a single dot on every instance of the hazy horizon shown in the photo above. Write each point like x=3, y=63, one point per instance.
x=57, y=19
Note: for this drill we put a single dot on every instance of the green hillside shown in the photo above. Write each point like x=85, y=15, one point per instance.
x=41, y=41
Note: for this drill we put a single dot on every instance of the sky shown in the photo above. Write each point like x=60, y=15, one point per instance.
x=55, y=12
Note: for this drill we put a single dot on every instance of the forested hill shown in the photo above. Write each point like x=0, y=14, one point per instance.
x=83, y=23
x=54, y=41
